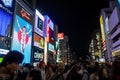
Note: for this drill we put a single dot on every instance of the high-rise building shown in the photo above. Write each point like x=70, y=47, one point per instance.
x=114, y=25
x=95, y=47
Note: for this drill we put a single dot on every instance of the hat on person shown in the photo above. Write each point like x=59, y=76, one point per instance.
x=13, y=56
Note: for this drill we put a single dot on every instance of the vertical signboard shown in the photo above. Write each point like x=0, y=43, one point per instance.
x=39, y=19
x=22, y=32
x=6, y=20
x=103, y=33
x=47, y=23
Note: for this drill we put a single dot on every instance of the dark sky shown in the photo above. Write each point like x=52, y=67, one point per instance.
x=76, y=18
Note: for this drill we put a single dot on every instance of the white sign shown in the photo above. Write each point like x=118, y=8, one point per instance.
x=7, y=3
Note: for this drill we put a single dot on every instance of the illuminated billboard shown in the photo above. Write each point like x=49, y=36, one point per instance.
x=47, y=23
x=102, y=28
x=1, y=59
x=38, y=41
x=60, y=35
x=51, y=47
x=6, y=20
x=6, y=16
x=102, y=33
x=106, y=24
x=5, y=23
x=37, y=54
x=7, y=3
x=39, y=20
x=50, y=35
x=22, y=32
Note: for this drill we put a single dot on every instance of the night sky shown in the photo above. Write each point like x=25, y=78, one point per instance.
x=76, y=18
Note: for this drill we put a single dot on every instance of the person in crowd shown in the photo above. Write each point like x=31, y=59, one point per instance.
x=42, y=69
x=85, y=74
x=34, y=74
x=58, y=75
x=66, y=70
x=103, y=74
x=115, y=69
x=90, y=67
x=31, y=67
x=73, y=73
x=80, y=71
x=49, y=71
x=25, y=70
x=94, y=75
x=10, y=64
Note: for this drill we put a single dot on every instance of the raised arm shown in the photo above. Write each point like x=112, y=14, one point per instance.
x=29, y=31
x=19, y=25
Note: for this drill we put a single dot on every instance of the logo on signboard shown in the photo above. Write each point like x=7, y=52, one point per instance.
x=7, y=3
x=25, y=14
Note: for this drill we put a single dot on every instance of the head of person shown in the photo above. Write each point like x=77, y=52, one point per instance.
x=24, y=28
x=12, y=60
x=41, y=65
x=60, y=67
x=34, y=74
x=84, y=66
x=103, y=72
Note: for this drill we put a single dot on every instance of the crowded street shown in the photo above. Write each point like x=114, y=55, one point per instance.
x=59, y=40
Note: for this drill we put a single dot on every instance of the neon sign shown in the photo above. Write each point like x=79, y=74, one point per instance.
x=7, y=3
x=25, y=14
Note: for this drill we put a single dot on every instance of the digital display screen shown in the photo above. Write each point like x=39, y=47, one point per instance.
x=5, y=23
x=38, y=41
x=6, y=16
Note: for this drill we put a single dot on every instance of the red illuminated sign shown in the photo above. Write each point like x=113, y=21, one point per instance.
x=50, y=35
x=60, y=35
x=25, y=14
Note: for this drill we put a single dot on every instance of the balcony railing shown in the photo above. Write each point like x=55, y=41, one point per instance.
x=117, y=48
x=116, y=43
x=115, y=33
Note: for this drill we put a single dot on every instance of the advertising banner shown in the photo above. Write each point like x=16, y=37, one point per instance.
x=22, y=33
x=6, y=20
x=6, y=16
x=39, y=20
x=38, y=41
x=50, y=35
x=37, y=54
x=47, y=23
x=50, y=47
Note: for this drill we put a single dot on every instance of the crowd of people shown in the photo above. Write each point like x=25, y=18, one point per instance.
x=80, y=70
